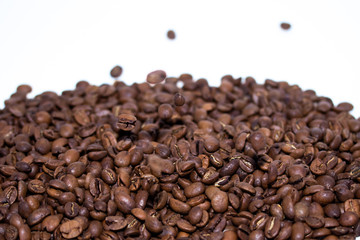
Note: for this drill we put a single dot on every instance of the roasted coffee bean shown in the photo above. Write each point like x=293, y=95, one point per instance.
x=126, y=122
x=348, y=219
x=71, y=209
x=50, y=223
x=71, y=229
x=124, y=202
x=38, y=215
x=153, y=224
x=194, y=189
x=115, y=223
x=116, y=71
x=171, y=34
x=179, y=99
x=272, y=227
x=298, y=231
x=156, y=77
x=285, y=26
x=256, y=235
x=36, y=186
x=179, y=206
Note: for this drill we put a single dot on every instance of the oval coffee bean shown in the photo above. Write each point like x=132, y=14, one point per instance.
x=194, y=189
x=179, y=206
x=37, y=216
x=71, y=229
x=124, y=202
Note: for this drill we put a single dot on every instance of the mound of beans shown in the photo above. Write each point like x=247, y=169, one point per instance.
x=156, y=161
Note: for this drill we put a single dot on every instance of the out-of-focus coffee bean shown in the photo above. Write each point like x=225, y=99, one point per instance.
x=179, y=99
x=156, y=77
x=116, y=71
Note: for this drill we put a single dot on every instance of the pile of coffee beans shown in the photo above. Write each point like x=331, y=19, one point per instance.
x=155, y=161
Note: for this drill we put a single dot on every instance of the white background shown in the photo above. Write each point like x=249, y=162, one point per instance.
x=53, y=44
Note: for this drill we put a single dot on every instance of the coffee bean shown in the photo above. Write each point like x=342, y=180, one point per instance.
x=257, y=235
x=179, y=99
x=153, y=224
x=116, y=72
x=38, y=215
x=171, y=34
x=195, y=215
x=71, y=209
x=126, y=122
x=115, y=223
x=285, y=26
x=156, y=77
x=348, y=219
x=165, y=111
x=298, y=231
x=36, y=186
x=124, y=202
x=179, y=206
x=219, y=199
x=185, y=226
x=50, y=223
x=71, y=229
x=194, y=189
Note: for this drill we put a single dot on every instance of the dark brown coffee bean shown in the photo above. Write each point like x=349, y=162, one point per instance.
x=185, y=226
x=298, y=231
x=171, y=34
x=165, y=111
x=116, y=72
x=179, y=206
x=315, y=221
x=126, y=122
x=124, y=202
x=288, y=207
x=115, y=223
x=179, y=99
x=38, y=215
x=36, y=186
x=211, y=143
x=153, y=224
x=71, y=209
x=219, y=199
x=71, y=229
x=108, y=175
x=194, y=189
x=272, y=227
x=50, y=223
x=139, y=213
x=10, y=194
x=348, y=219
x=301, y=211
x=332, y=210
x=156, y=77
x=257, y=235
x=324, y=197
x=195, y=215
x=285, y=26
x=230, y=168
x=11, y=233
